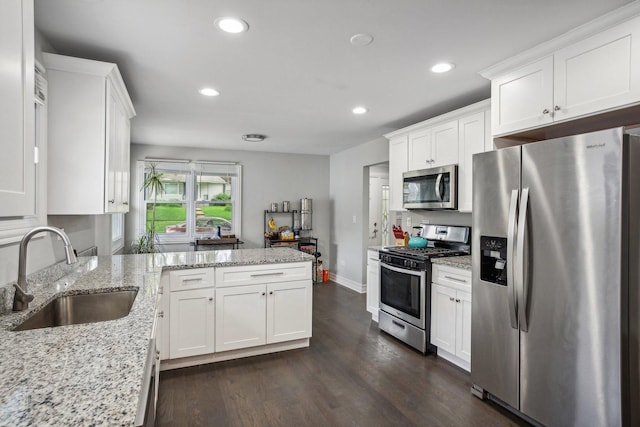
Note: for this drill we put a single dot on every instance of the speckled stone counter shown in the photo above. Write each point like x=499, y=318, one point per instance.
x=375, y=248
x=91, y=374
x=463, y=261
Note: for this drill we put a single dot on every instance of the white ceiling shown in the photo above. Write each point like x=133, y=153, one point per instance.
x=294, y=76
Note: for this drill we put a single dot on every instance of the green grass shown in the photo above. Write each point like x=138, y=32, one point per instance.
x=167, y=215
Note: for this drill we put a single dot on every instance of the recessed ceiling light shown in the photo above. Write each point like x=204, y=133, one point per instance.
x=209, y=91
x=231, y=25
x=361, y=39
x=254, y=137
x=442, y=67
x=359, y=110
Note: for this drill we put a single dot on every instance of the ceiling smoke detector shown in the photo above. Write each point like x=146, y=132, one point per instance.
x=253, y=137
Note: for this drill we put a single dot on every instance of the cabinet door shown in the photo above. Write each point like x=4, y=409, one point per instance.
x=472, y=141
x=191, y=323
x=240, y=317
x=445, y=144
x=397, y=166
x=112, y=159
x=463, y=325
x=523, y=99
x=443, y=318
x=598, y=73
x=420, y=150
x=289, y=311
x=373, y=287
x=17, y=112
x=125, y=144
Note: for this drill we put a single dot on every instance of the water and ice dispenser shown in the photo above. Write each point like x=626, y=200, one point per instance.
x=493, y=259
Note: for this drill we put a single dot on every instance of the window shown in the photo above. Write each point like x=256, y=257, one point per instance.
x=199, y=198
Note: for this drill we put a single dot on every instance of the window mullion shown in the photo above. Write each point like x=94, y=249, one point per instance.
x=191, y=206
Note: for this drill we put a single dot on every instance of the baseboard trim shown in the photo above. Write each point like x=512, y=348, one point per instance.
x=360, y=288
x=184, y=362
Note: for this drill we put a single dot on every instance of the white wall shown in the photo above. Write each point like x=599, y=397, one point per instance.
x=349, y=198
x=266, y=178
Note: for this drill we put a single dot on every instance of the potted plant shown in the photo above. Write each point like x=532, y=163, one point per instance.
x=146, y=243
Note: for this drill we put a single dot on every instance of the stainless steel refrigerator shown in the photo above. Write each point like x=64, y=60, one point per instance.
x=556, y=235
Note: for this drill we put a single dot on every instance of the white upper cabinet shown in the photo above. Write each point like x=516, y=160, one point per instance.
x=592, y=69
x=398, y=158
x=472, y=140
x=599, y=73
x=523, y=98
x=17, y=113
x=420, y=150
x=89, y=113
x=445, y=144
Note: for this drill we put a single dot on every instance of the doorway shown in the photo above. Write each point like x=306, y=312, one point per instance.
x=378, y=229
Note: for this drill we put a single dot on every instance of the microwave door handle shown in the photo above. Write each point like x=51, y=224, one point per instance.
x=438, y=182
x=511, y=244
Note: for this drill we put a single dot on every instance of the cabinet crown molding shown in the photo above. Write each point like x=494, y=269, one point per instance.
x=452, y=115
x=604, y=22
x=108, y=70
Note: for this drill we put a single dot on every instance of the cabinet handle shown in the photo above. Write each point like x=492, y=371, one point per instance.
x=280, y=273
x=112, y=201
x=199, y=279
x=125, y=203
x=264, y=293
x=160, y=290
x=210, y=298
x=450, y=298
x=556, y=108
x=455, y=279
x=161, y=314
x=270, y=292
x=457, y=300
x=545, y=111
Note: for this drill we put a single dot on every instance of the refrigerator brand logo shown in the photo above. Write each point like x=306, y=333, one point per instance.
x=596, y=145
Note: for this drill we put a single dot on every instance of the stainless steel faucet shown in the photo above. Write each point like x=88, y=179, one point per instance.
x=22, y=298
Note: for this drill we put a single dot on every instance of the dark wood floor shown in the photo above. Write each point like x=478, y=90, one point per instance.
x=351, y=375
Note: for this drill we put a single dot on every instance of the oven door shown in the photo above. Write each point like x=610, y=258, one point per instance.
x=402, y=293
x=430, y=188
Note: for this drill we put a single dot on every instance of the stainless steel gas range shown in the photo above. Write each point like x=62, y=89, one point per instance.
x=405, y=283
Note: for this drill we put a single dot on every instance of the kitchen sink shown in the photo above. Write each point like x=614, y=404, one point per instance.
x=85, y=308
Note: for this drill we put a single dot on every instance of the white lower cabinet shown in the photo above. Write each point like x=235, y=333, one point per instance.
x=248, y=316
x=373, y=283
x=192, y=323
x=240, y=317
x=451, y=314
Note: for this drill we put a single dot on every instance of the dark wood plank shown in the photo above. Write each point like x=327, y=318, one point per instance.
x=352, y=375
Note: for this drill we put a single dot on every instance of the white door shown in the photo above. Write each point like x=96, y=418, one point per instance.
x=240, y=317
x=443, y=318
x=523, y=99
x=598, y=73
x=289, y=311
x=191, y=323
x=463, y=325
x=420, y=150
x=397, y=166
x=471, y=141
x=17, y=111
x=445, y=144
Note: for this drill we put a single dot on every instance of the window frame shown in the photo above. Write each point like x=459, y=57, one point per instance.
x=191, y=170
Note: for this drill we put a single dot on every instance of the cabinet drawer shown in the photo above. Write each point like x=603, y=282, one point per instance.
x=256, y=274
x=452, y=277
x=194, y=278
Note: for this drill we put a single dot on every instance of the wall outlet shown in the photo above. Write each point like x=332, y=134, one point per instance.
x=58, y=237
x=354, y=219
x=408, y=222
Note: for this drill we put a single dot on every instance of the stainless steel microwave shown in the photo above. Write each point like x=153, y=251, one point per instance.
x=435, y=188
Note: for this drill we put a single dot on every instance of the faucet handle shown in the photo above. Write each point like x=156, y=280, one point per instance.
x=21, y=299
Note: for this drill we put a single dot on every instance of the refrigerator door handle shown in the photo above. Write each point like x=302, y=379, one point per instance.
x=438, y=181
x=511, y=239
x=520, y=262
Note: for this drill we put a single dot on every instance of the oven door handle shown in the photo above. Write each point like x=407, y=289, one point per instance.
x=401, y=270
x=438, y=183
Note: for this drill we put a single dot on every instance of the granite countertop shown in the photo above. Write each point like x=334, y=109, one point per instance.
x=463, y=261
x=91, y=374
x=375, y=248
